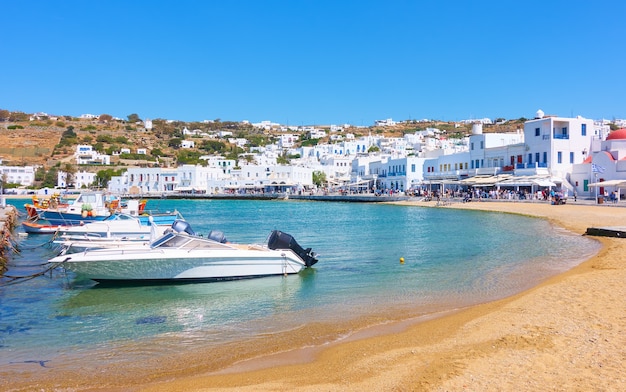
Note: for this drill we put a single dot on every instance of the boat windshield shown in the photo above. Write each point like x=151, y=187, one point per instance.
x=163, y=240
x=88, y=199
x=175, y=240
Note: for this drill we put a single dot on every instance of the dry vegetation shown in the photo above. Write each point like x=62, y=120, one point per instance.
x=37, y=142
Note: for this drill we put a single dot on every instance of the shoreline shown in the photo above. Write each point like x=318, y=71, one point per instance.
x=564, y=334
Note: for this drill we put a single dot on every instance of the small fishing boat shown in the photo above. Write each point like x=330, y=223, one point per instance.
x=181, y=256
x=87, y=207
x=94, y=206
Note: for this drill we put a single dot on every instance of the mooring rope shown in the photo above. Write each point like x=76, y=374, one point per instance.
x=19, y=279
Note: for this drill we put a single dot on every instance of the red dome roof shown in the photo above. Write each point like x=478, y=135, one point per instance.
x=618, y=134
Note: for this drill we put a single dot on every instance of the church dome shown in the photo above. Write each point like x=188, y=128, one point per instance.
x=618, y=134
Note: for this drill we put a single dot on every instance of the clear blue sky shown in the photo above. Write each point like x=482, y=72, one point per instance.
x=314, y=62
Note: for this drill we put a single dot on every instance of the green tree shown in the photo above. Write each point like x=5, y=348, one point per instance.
x=133, y=118
x=102, y=178
x=70, y=173
x=174, y=142
x=212, y=146
x=50, y=178
x=319, y=178
x=191, y=157
x=156, y=152
x=282, y=159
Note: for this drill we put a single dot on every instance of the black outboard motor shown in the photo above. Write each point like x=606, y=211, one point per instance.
x=280, y=240
x=182, y=226
x=217, y=236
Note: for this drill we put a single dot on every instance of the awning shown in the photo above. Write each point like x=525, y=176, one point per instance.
x=617, y=183
x=485, y=180
x=544, y=182
x=527, y=181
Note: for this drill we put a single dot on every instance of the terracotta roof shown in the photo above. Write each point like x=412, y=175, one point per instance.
x=617, y=134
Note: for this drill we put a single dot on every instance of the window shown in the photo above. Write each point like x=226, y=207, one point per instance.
x=472, y=146
x=537, y=157
x=530, y=159
x=537, y=131
x=413, y=168
x=583, y=130
x=571, y=157
x=482, y=144
x=545, y=157
x=559, y=157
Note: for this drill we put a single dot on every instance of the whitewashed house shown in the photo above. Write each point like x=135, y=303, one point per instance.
x=79, y=180
x=86, y=155
x=23, y=175
x=604, y=165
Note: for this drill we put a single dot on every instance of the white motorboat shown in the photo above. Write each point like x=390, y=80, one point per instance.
x=74, y=244
x=117, y=231
x=181, y=256
x=114, y=226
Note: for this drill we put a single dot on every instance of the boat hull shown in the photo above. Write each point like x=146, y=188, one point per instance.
x=158, y=218
x=147, y=266
x=69, y=219
x=35, y=228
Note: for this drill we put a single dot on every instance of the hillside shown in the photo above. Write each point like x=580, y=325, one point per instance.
x=41, y=143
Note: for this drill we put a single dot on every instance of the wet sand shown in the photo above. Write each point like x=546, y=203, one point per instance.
x=567, y=334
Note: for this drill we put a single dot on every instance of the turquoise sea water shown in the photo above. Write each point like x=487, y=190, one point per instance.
x=453, y=258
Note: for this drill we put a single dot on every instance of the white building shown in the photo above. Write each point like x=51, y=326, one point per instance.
x=316, y=133
x=145, y=180
x=270, y=177
x=79, y=180
x=385, y=123
x=606, y=164
x=287, y=140
x=549, y=148
x=86, y=155
x=187, y=144
x=398, y=174
x=557, y=143
x=23, y=175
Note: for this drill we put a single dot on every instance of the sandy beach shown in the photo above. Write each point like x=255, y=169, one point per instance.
x=567, y=334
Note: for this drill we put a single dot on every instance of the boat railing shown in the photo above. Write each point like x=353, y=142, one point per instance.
x=118, y=251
